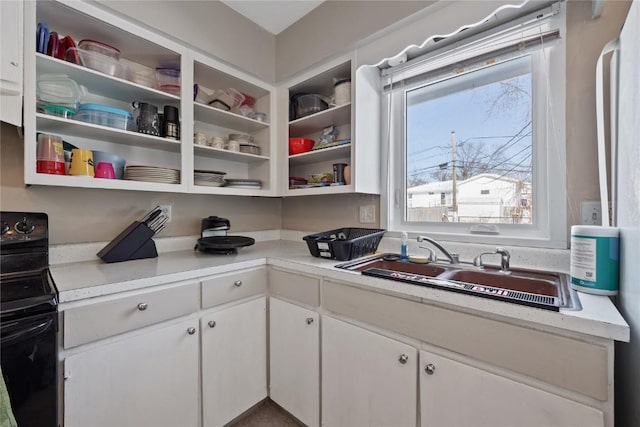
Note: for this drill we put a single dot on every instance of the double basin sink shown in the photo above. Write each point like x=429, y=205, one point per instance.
x=547, y=290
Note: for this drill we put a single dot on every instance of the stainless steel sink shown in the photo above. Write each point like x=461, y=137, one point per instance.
x=547, y=290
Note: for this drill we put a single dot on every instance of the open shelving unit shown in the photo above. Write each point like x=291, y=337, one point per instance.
x=84, y=20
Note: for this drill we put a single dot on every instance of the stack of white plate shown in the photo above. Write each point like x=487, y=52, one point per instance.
x=152, y=174
x=244, y=183
x=249, y=147
x=208, y=178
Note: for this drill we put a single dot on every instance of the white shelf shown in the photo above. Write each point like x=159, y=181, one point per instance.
x=230, y=191
x=336, y=116
x=206, y=114
x=53, y=124
x=103, y=84
x=90, y=182
x=320, y=155
x=336, y=189
x=223, y=154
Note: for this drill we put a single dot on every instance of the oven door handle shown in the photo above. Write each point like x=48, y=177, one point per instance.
x=18, y=332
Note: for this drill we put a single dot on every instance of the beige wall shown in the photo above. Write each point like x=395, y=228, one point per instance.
x=88, y=215
x=210, y=26
x=335, y=26
x=321, y=213
x=586, y=38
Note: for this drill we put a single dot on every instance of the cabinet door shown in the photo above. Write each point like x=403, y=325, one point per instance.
x=11, y=45
x=367, y=379
x=234, y=361
x=295, y=360
x=145, y=380
x=11, y=40
x=457, y=395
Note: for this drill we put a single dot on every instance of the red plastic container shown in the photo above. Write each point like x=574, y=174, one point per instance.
x=50, y=167
x=300, y=145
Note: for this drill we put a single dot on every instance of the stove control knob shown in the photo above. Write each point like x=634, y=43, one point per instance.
x=24, y=226
x=5, y=227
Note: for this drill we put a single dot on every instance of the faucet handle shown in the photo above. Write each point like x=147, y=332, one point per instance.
x=433, y=257
x=455, y=258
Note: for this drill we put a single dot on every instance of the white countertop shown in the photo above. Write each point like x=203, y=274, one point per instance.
x=88, y=279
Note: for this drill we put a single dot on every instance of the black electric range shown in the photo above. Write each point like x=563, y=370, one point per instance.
x=28, y=319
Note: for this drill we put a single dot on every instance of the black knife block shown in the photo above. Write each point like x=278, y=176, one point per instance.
x=133, y=243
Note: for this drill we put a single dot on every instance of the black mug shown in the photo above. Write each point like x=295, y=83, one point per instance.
x=147, y=120
x=171, y=123
x=338, y=173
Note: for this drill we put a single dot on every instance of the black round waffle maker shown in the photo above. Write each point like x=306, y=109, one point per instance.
x=214, y=239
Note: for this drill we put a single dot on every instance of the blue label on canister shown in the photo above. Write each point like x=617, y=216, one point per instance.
x=594, y=263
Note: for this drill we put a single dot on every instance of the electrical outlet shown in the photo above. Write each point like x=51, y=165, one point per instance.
x=367, y=214
x=166, y=211
x=591, y=213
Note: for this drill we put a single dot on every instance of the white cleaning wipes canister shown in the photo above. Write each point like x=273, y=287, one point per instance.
x=594, y=259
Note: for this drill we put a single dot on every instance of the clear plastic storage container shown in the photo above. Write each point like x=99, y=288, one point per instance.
x=104, y=115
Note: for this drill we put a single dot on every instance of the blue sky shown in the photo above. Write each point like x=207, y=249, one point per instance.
x=469, y=114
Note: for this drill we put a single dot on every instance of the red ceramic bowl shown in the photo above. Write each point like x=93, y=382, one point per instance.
x=300, y=145
x=47, y=166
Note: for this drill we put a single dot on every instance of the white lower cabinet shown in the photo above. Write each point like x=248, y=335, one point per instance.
x=367, y=379
x=457, y=395
x=150, y=379
x=234, y=361
x=295, y=360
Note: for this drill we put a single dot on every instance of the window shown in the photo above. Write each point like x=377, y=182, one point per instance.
x=481, y=124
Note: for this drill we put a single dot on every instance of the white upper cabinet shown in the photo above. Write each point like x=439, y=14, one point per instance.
x=328, y=97
x=11, y=61
x=248, y=122
x=119, y=87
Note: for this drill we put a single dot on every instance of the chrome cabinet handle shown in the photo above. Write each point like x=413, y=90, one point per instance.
x=191, y=331
x=211, y=323
x=430, y=369
x=403, y=358
x=309, y=320
x=237, y=283
x=143, y=306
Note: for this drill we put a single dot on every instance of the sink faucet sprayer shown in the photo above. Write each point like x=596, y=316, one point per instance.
x=453, y=257
x=505, y=256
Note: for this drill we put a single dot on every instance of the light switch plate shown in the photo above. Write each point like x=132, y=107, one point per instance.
x=367, y=214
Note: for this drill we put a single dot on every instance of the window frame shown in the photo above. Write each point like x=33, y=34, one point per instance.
x=549, y=160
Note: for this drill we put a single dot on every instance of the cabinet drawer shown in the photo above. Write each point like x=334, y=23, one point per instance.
x=104, y=319
x=548, y=357
x=296, y=287
x=233, y=286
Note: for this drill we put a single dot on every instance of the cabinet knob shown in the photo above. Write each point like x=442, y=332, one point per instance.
x=430, y=369
x=211, y=323
x=237, y=283
x=14, y=63
x=403, y=358
x=191, y=331
x=142, y=306
x=309, y=320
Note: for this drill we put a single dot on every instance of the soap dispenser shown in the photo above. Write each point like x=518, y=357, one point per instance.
x=403, y=247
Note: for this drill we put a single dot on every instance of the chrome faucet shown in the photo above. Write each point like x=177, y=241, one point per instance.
x=454, y=258
x=505, y=257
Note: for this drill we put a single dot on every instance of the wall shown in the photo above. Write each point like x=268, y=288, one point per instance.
x=322, y=213
x=335, y=26
x=585, y=40
x=88, y=215
x=210, y=26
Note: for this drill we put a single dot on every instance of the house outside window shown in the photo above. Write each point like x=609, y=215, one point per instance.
x=483, y=129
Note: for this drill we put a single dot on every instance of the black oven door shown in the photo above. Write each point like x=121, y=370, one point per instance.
x=29, y=360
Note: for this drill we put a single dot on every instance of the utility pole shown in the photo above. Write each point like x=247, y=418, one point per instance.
x=454, y=200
